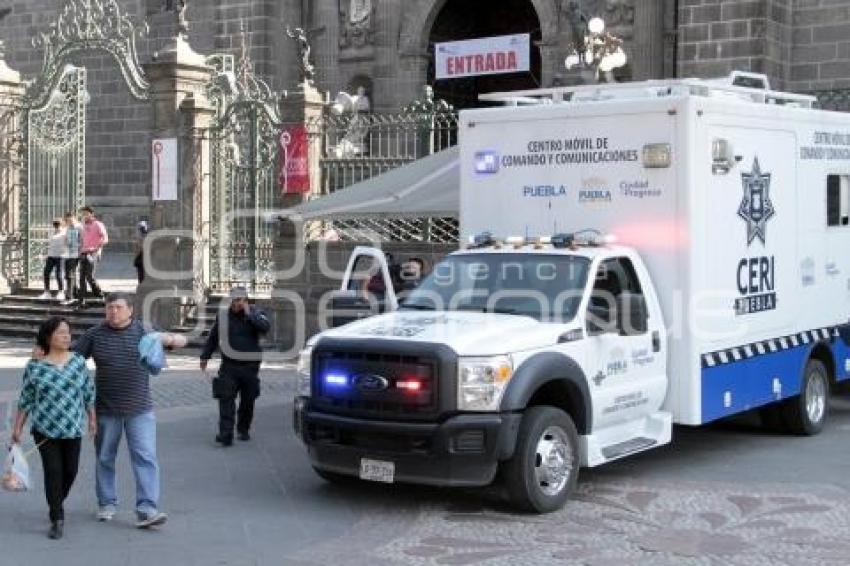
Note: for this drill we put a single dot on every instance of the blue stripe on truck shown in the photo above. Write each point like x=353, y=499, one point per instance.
x=749, y=376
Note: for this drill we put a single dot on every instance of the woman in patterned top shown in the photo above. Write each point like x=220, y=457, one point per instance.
x=57, y=391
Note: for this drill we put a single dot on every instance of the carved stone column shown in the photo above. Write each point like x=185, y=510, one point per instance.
x=305, y=106
x=11, y=171
x=178, y=78
x=292, y=279
x=647, y=57
x=551, y=62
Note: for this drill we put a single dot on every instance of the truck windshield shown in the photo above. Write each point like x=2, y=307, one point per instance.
x=545, y=287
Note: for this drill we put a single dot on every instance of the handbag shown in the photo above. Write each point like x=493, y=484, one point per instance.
x=223, y=387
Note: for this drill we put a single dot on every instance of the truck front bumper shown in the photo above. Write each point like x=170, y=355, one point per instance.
x=462, y=450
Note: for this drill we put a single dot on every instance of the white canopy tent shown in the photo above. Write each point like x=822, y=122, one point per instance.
x=426, y=188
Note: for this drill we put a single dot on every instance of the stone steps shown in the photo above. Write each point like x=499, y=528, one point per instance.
x=23, y=312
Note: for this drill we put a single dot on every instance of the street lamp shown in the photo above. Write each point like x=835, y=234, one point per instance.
x=600, y=51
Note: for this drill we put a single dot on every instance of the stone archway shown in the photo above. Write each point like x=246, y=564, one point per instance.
x=417, y=23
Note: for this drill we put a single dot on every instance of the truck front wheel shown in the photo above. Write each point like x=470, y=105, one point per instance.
x=806, y=413
x=544, y=469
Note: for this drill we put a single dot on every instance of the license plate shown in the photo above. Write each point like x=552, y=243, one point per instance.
x=377, y=470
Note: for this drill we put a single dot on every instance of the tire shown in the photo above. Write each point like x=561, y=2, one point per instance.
x=543, y=430
x=806, y=413
x=335, y=478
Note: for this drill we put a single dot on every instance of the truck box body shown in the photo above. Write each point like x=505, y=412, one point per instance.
x=747, y=267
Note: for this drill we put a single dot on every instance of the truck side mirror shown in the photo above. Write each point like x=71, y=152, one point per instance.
x=347, y=307
x=632, y=314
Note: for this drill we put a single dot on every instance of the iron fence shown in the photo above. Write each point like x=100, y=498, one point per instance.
x=354, y=147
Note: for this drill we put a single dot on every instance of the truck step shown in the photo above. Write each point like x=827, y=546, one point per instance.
x=625, y=438
x=629, y=446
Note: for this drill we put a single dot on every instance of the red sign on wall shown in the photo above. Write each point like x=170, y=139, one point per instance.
x=294, y=175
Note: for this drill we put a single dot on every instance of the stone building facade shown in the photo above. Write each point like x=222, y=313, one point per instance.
x=386, y=46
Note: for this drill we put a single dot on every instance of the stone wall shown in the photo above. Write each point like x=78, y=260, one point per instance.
x=720, y=36
x=821, y=45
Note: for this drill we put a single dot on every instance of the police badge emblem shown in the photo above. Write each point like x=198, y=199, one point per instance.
x=756, y=207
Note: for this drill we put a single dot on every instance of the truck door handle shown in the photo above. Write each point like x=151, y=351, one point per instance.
x=656, y=342
x=831, y=269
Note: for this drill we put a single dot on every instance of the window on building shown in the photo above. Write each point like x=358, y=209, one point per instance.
x=837, y=200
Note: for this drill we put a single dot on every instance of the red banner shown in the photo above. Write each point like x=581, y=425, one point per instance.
x=294, y=175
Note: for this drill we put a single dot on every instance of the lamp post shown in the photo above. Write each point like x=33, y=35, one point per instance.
x=599, y=51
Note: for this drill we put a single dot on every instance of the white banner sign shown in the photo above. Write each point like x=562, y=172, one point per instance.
x=164, y=168
x=486, y=56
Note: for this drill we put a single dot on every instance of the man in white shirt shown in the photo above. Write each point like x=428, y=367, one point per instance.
x=57, y=249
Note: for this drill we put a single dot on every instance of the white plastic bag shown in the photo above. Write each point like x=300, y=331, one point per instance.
x=16, y=470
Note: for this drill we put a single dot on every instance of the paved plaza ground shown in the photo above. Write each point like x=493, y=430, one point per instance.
x=728, y=494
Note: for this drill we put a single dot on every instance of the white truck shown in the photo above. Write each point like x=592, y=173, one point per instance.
x=642, y=255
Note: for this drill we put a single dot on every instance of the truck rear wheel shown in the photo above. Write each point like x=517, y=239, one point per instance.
x=806, y=413
x=544, y=469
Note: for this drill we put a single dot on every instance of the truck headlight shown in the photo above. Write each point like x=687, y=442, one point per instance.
x=302, y=370
x=482, y=382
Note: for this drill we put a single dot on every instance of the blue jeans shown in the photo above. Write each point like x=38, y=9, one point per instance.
x=141, y=441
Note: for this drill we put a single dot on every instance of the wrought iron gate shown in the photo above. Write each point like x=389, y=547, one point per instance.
x=54, y=113
x=56, y=164
x=244, y=176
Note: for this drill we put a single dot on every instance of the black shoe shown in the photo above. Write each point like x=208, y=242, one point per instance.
x=244, y=436
x=56, y=528
x=224, y=440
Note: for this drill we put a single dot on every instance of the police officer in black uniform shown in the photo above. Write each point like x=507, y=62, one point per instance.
x=236, y=333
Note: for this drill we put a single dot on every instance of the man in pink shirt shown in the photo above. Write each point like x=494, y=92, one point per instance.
x=93, y=240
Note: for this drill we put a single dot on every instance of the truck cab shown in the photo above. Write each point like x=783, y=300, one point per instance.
x=533, y=357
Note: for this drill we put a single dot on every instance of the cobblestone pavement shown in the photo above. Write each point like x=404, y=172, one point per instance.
x=729, y=494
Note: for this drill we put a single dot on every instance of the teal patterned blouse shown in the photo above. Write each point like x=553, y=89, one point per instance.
x=56, y=398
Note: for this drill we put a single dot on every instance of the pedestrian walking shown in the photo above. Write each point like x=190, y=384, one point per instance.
x=73, y=241
x=57, y=392
x=124, y=407
x=94, y=238
x=139, y=260
x=57, y=250
x=236, y=332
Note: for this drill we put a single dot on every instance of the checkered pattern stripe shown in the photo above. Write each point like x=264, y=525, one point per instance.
x=56, y=398
x=773, y=345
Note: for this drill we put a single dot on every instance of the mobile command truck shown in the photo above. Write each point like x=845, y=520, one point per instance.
x=642, y=255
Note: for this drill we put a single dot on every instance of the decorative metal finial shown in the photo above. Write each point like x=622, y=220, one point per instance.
x=308, y=71
x=244, y=67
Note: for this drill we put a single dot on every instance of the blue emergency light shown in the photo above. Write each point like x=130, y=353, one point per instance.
x=336, y=380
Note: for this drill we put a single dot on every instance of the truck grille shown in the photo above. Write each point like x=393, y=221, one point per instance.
x=377, y=385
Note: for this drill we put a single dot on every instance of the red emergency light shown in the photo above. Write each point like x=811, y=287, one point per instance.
x=411, y=385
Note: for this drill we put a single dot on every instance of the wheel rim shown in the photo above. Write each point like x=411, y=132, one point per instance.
x=553, y=461
x=815, y=397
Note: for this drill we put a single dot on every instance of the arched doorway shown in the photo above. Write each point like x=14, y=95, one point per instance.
x=471, y=19
x=54, y=110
